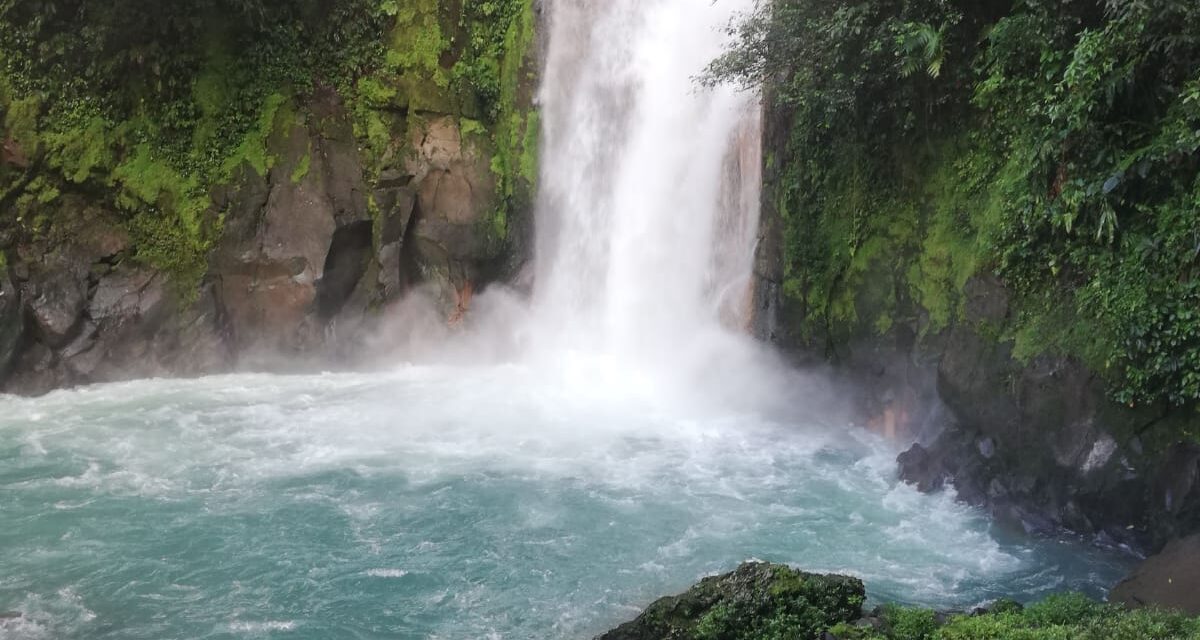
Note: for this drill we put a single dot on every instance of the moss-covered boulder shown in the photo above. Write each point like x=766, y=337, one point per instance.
x=762, y=601
x=759, y=600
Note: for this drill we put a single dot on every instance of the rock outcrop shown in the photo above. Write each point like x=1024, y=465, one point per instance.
x=237, y=193
x=755, y=600
x=1169, y=580
x=301, y=268
x=1037, y=441
x=330, y=210
x=1043, y=448
x=939, y=228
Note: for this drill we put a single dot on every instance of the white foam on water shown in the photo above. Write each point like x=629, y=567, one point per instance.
x=61, y=614
x=23, y=628
x=387, y=573
x=540, y=475
x=259, y=628
x=494, y=488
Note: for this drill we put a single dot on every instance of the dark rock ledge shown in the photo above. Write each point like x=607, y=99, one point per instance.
x=1170, y=579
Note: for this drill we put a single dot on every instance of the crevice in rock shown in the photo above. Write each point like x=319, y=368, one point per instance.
x=410, y=259
x=223, y=324
x=345, y=265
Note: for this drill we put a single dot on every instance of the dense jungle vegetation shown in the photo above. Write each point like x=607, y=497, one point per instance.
x=1051, y=144
x=150, y=106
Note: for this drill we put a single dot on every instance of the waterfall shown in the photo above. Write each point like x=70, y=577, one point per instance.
x=648, y=203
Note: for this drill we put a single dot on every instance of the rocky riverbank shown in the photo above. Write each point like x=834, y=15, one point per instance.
x=760, y=601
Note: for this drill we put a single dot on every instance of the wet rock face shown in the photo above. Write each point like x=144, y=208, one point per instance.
x=305, y=260
x=12, y=324
x=1041, y=446
x=919, y=468
x=309, y=256
x=1037, y=443
x=453, y=194
x=271, y=260
x=81, y=310
x=55, y=272
x=1169, y=580
x=56, y=305
x=745, y=603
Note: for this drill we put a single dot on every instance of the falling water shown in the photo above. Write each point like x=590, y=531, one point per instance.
x=649, y=200
x=527, y=499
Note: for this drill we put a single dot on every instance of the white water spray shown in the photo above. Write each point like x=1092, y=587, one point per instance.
x=648, y=209
x=632, y=452
x=647, y=219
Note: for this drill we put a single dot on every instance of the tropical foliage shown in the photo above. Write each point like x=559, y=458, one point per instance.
x=1059, y=617
x=1053, y=145
x=151, y=105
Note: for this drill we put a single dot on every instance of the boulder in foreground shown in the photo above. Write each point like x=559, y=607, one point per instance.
x=1169, y=580
x=762, y=601
x=757, y=601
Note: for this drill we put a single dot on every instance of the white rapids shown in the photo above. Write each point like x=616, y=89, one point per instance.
x=543, y=474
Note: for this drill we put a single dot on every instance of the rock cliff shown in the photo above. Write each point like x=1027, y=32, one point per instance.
x=399, y=177
x=1037, y=440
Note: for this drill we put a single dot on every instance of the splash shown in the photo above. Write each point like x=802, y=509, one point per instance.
x=542, y=472
x=647, y=220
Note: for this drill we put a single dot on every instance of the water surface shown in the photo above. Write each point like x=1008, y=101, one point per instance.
x=443, y=502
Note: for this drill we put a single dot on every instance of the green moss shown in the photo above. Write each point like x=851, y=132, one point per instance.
x=21, y=121
x=45, y=193
x=84, y=151
x=417, y=42
x=528, y=165
x=517, y=123
x=302, y=167
x=376, y=131
x=377, y=221
x=276, y=114
x=1071, y=617
x=147, y=179
x=868, y=253
x=470, y=127
x=410, y=79
x=755, y=602
x=30, y=206
x=375, y=93
x=848, y=631
x=177, y=252
x=213, y=91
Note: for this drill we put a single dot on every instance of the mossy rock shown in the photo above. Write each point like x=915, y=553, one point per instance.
x=759, y=600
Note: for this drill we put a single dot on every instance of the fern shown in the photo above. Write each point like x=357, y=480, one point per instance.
x=922, y=47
